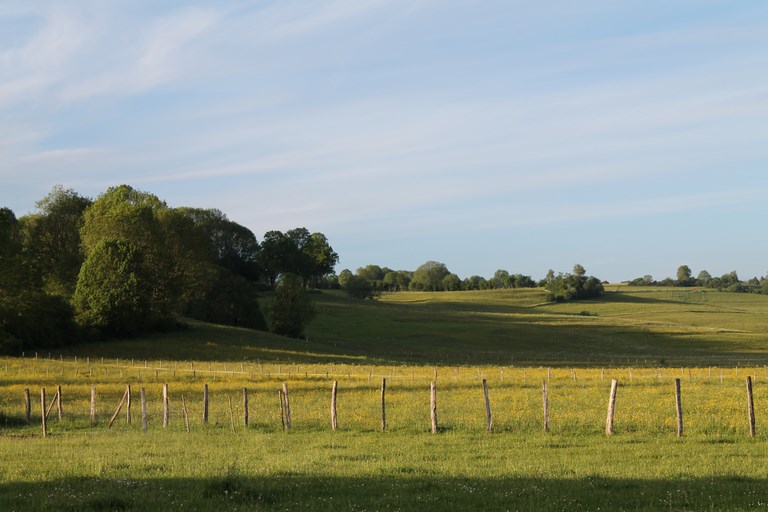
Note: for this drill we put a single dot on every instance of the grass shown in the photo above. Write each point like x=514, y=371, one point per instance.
x=510, y=338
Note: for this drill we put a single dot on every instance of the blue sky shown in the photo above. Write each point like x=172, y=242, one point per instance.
x=630, y=137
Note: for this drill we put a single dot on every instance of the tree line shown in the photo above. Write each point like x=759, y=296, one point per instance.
x=126, y=263
x=369, y=281
x=728, y=282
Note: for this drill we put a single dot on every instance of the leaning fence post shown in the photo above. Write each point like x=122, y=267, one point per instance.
x=27, y=406
x=433, y=405
x=186, y=414
x=334, y=418
x=750, y=407
x=546, y=405
x=611, y=405
x=488, y=416
x=679, y=408
x=166, y=412
x=43, y=414
x=119, y=408
x=383, y=404
x=282, y=408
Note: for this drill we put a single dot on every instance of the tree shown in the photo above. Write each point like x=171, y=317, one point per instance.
x=344, y=277
x=12, y=272
x=291, y=309
x=684, y=275
x=360, y=288
x=273, y=257
x=322, y=257
x=703, y=278
x=113, y=291
x=230, y=300
x=573, y=286
x=451, y=282
x=230, y=245
x=52, y=240
x=501, y=279
x=429, y=276
x=298, y=252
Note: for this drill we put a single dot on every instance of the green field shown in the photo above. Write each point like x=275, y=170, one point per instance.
x=645, y=338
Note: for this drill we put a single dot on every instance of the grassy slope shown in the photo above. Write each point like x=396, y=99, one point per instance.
x=639, y=326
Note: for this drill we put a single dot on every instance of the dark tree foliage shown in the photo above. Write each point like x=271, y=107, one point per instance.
x=291, y=309
x=230, y=300
x=299, y=252
x=33, y=319
x=229, y=245
x=52, y=242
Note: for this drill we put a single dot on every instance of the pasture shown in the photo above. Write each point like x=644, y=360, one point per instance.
x=643, y=338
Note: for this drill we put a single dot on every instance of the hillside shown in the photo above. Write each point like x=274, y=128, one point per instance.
x=643, y=326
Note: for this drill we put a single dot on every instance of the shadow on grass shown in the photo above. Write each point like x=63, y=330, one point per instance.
x=405, y=491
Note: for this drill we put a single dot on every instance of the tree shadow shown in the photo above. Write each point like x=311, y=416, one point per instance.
x=407, y=490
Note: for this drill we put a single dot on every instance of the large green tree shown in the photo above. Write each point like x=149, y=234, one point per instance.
x=113, y=291
x=429, y=277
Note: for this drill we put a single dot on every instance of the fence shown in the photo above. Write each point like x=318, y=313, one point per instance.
x=649, y=400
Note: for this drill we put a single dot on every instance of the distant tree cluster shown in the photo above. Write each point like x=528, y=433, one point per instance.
x=576, y=285
x=369, y=281
x=728, y=282
x=126, y=263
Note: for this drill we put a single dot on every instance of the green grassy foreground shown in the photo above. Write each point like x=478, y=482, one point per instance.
x=644, y=337
x=354, y=471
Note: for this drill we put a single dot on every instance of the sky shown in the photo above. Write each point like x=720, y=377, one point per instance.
x=630, y=137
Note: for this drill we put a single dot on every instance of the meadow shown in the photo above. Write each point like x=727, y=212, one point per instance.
x=643, y=338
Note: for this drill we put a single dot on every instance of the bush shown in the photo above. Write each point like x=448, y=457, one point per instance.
x=360, y=288
x=291, y=310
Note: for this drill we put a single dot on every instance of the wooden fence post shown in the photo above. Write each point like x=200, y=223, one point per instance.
x=128, y=405
x=166, y=412
x=679, y=408
x=282, y=408
x=383, y=404
x=93, y=406
x=43, y=414
x=205, y=404
x=287, y=406
x=58, y=402
x=433, y=405
x=750, y=407
x=488, y=416
x=545, y=397
x=245, y=406
x=334, y=418
x=143, y=411
x=27, y=406
x=611, y=405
